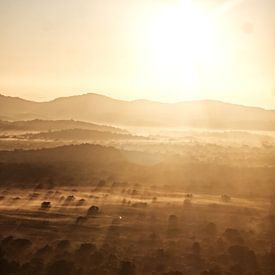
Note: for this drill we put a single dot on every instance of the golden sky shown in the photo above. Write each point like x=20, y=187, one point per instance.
x=164, y=50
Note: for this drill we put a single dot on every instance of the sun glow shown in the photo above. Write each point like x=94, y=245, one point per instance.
x=182, y=42
x=162, y=50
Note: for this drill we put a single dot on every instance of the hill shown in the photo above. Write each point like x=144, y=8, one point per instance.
x=52, y=125
x=80, y=135
x=201, y=169
x=141, y=113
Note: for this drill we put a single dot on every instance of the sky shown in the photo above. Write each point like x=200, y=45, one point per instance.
x=163, y=50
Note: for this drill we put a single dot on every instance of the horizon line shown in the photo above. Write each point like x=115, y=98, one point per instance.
x=138, y=99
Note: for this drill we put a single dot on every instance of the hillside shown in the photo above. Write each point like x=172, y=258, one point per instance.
x=51, y=125
x=80, y=135
x=141, y=113
x=81, y=164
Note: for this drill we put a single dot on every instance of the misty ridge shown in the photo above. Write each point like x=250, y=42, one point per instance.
x=143, y=113
x=90, y=185
x=38, y=125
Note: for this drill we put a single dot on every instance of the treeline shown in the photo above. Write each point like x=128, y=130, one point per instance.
x=81, y=135
x=231, y=252
x=51, y=125
x=77, y=164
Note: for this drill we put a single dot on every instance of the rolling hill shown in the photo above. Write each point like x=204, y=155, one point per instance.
x=39, y=125
x=80, y=135
x=140, y=113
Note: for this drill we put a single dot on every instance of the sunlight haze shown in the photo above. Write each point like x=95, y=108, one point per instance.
x=161, y=50
x=137, y=137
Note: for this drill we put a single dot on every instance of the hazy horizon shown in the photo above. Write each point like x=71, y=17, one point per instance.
x=167, y=51
x=135, y=99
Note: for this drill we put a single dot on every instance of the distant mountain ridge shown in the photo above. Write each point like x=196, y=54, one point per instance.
x=38, y=125
x=140, y=113
x=81, y=134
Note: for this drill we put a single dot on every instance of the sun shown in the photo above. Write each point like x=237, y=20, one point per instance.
x=181, y=40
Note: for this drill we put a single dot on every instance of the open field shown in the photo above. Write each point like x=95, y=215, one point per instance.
x=145, y=231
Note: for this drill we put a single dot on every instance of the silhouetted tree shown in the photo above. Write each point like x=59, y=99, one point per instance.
x=127, y=268
x=61, y=267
